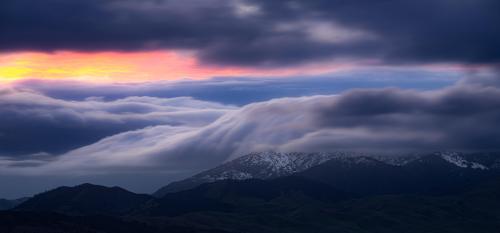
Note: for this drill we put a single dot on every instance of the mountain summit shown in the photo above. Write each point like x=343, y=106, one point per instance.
x=257, y=165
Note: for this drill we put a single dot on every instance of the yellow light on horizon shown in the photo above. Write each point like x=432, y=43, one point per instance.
x=12, y=72
x=128, y=66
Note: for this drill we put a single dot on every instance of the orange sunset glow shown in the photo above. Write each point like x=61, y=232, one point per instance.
x=106, y=66
x=128, y=67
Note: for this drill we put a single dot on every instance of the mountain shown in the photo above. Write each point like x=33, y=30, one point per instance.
x=436, y=174
x=283, y=209
x=439, y=192
x=269, y=165
x=9, y=204
x=234, y=195
x=85, y=199
x=262, y=165
x=476, y=210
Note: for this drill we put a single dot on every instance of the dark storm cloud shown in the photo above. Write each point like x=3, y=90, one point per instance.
x=460, y=118
x=427, y=30
x=268, y=33
x=34, y=123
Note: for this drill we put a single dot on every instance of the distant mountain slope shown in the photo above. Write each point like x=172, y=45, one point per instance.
x=264, y=165
x=268, y=165
x=9, y=204
x=85, y=199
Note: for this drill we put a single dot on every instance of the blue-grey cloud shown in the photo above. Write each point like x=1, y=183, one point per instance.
x=34, y=123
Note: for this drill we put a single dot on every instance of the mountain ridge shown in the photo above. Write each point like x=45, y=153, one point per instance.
x=269, y=165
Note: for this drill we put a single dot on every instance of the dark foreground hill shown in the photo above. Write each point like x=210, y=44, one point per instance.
x=287, y=208
x=85, y=199
x=47, y=222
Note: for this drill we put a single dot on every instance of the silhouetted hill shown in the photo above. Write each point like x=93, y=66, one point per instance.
x=285, y=205
x=231, y=195
x=85, y=199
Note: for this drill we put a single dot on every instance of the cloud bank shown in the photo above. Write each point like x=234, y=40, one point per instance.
x=31, y=122
x=460, y=117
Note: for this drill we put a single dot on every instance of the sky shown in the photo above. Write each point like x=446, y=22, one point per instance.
x=141, y=93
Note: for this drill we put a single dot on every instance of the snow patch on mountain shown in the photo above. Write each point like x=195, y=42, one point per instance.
x=265, y=165
x=458, y=160
x=397, y=160
x=232, y=174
